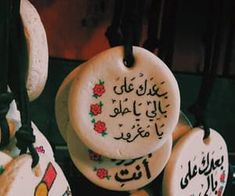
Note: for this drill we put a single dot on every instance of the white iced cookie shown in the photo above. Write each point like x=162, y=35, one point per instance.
x=122, y=112
x=4, y=160
x=37, y=49
x=19, y=178
x=114, y=174
x=61, y=101
x=41, y=144
x=197, y=166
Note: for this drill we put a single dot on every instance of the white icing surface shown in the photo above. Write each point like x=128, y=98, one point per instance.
x=121, y=175
x=19, y=179
x=61, y=101
x=124, y=109
x=197, y=167
x=37, y=49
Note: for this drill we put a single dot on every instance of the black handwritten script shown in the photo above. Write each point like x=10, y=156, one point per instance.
x=142, y=100
x=207, y=168
x=126, y=173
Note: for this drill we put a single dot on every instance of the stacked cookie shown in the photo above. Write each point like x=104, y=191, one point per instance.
x=118, y=121
x=16, y=175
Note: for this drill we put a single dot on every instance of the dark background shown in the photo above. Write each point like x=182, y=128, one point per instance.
x=185, y=32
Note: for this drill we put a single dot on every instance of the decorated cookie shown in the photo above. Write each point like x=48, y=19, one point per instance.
x=61, y=101
x=4, y=160
x=41, y=144
x=37, y=49
x=182, y=127
x=116, y=174
x=197, y=166
x=121, y=112
x=20, y=179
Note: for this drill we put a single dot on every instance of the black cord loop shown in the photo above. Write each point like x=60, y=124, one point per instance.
x=5, y=100
x=126, y=27
x=25, y=139
x=17, y=80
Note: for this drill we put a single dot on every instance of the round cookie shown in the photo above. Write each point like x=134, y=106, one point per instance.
x=123, y=109
x=37, y=49
x=182, y=127
x=197, y=166
x=114, y=174
x=41, y=144
x=4, y=160
x=19, y=178
x=61, y=101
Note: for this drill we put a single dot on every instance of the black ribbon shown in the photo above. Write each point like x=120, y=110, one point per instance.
x=18, y=62
x=5, y=96
x=212, y=47
x=126, y=27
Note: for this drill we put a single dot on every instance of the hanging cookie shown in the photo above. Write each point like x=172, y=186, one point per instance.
x=182, y=127
x=122, y=112
x=20, y=179
x=61, y=101
x=37, y=49
x=197, y=166
x=116, y=174
x=41, y=144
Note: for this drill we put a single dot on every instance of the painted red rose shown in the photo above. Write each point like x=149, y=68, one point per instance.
x=102, y=173
x=95, y=109
x=99, y=127
x=98, y=90
x=222, y=177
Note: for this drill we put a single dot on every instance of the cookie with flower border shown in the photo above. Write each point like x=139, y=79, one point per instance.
x=197, y=166
x=61, y=101
x=46, y=179
x=116, y=174
x=4, y=160
x=123, y=109
x=37, y=49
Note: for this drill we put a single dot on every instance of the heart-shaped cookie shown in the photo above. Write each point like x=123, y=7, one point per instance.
x=122, y=112
x=197, y=166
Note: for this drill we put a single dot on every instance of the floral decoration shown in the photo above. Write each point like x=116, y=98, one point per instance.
x=102, y=173
x=96, y=109
x=40, y=149
x=98, y=89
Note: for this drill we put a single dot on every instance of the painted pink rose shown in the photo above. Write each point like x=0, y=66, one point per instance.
x=100, y=127
x=222, y=177
x=102, y=173
x=95, y=109
x=98, y=90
